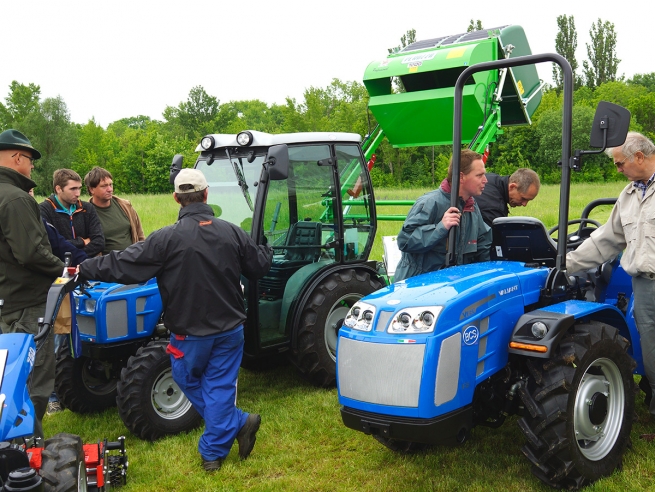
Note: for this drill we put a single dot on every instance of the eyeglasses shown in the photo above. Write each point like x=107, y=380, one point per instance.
x=32, y=159
x=620, y=164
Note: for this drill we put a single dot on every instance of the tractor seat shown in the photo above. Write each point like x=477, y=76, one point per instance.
x=522, y=239
x=302, y=236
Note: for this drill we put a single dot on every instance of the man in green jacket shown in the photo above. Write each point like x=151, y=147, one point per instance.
x=27, y=265
x=423, y=239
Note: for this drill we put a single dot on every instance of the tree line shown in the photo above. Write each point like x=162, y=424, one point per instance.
x=138, y=150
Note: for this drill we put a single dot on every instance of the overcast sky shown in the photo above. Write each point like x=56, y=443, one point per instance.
x=114, y=59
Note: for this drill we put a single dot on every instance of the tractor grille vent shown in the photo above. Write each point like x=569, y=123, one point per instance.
x=380, y=373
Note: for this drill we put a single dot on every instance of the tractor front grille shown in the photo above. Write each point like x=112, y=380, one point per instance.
x=380, y=373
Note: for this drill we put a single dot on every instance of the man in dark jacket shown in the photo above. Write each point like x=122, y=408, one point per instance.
x=500, y=191
x=198, y=262
x=27, y=265
x=76, y=220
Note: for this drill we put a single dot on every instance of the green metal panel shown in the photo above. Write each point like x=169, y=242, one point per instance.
x=423, y=114
x=524, y=83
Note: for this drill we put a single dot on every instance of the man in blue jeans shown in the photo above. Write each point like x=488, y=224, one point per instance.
x=198, y=262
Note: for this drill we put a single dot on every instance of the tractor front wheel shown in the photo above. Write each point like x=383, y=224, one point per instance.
x=84, y=385
x=62, y=464
x=150, y=402
x=581, y=407
x=315, y=354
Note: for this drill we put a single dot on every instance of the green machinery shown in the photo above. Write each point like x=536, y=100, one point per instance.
x=423, y=113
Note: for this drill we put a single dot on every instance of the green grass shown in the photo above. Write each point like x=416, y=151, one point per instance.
x=302, y=444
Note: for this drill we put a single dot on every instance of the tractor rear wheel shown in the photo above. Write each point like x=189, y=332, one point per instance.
x=315, y=354
x=581, y=407
x=149, y=401
x=62, y=464
x=84, y=385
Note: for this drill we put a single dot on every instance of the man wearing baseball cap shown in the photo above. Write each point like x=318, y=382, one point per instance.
x=198, y=262
x=27, y=265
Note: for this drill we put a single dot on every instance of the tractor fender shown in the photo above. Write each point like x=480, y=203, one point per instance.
x=297, y=293
x=558, y=319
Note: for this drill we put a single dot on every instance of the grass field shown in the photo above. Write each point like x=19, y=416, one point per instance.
x=303, y=445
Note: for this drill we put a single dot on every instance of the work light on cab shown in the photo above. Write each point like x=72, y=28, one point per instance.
x=245, y=139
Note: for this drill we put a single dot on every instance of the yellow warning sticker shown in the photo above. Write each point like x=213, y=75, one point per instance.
x=456, y=52
x=62, y=280
x=520, y=86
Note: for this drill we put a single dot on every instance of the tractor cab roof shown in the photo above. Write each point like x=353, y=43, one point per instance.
x=252, y=138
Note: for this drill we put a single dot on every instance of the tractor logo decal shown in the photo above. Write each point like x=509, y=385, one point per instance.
x=471, y=335
x=508, y=290
x=418, y=58
x=31, y=354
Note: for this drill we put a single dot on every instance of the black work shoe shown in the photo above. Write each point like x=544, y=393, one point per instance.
x=247, y=435
x=213, y=465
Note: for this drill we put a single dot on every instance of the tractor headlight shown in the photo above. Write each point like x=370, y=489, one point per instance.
x=415, y=320
x=207, y=142
x=245, y=139
x=539, y=329
x=90, y=305
x=360, y=317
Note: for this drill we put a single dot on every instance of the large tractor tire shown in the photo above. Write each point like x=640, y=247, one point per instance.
x=84, y=385
x=150, y=403
x=315, y=354
x=62, y=464
x=581, y=408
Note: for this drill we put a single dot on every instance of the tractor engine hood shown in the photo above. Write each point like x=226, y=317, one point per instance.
x=420, y=346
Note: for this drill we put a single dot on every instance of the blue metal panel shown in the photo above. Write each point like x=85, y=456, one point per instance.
x=18, y=351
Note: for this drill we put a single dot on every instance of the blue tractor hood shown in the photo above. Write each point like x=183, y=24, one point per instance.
x=493, y=281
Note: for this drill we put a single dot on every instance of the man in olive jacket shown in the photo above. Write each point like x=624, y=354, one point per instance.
x=27, y=265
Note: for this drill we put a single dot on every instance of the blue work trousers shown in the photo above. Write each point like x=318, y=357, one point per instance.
x=206, y=369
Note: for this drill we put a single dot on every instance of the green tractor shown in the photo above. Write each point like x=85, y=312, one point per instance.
x=309, y=195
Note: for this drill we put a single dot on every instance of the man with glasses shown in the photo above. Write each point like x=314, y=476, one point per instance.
x=630, y=227
x=27, y=265
x=500, y=192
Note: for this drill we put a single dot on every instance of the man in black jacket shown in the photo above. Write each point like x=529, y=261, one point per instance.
x=76, y=220
x=500, y=191
x=198, y=262
x=27, y=265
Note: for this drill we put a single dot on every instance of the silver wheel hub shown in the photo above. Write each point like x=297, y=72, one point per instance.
x=598, y=410
x=168, y=400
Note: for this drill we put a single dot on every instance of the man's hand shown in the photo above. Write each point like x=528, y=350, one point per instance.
x=86, y=240
x=451, y=218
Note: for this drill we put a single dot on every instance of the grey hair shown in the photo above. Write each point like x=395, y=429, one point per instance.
x=524, y=178
x=634, y=142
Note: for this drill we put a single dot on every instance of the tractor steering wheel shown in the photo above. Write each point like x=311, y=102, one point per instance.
x=575, y=239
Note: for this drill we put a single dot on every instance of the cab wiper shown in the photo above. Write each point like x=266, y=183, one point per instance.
x=238, y=171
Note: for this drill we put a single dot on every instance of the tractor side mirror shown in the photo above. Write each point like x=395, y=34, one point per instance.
x=176, y=167
x=610, y=128
x=277, y=162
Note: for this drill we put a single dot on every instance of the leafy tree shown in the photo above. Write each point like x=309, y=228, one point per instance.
x=193, y=118
x=645, y=79
x=603, y=63
x=474, y=26
x=51, y=131
x=566, y=42
x=21, y=101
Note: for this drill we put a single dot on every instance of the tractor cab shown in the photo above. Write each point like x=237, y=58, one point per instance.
x=309, y=196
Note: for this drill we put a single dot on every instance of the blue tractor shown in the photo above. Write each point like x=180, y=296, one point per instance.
x=424, y=360
x=63, y=463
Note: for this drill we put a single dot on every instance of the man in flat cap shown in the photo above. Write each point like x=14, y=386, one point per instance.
x=198, y=262
x=27, y=265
